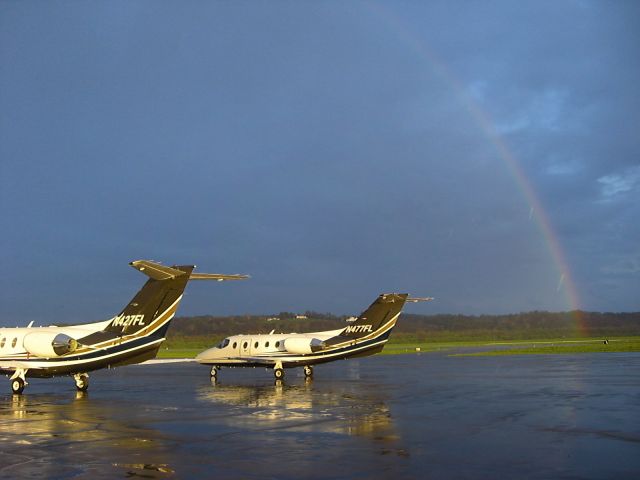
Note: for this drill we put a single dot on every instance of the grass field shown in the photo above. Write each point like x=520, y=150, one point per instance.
x=557, y=347
x=178, y=352
x=528, y=347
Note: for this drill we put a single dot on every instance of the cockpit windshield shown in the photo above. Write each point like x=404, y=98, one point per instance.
x=223, y=343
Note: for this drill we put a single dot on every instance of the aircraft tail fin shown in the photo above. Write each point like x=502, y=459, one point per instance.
x=156, y=303
x=383, y=313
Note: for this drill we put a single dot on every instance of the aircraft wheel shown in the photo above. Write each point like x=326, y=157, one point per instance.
x=82, y=382
x=308, y=371
x=279, y=373
x=17, y=386
x=214, y=371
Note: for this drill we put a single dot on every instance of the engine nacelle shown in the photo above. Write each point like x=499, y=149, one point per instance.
x=302, y=345
x=47, y=344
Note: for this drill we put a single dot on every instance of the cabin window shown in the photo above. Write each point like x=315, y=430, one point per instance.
x=266, y=344
x=277, y=344
x=255, y=345
x=235, y=344
x=244, y=345
x=223, y=343
x=2, y=342
x=13, y=343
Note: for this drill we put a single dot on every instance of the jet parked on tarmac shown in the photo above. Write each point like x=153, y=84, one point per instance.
x=365, y=336
x=133, y=336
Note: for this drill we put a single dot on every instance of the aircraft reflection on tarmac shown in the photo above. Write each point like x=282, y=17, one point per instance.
x=198, y=430
x=303, y=408
x=51, y=428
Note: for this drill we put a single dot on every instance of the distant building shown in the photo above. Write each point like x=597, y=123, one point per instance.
x=281, y=317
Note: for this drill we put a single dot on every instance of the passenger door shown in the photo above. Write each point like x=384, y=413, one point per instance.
x=252, y=349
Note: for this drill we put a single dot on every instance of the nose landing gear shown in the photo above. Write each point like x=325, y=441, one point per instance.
x=82, y=381
x=278, y=371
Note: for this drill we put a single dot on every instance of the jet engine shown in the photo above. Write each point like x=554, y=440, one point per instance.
x=47, y=344
x=303, y=345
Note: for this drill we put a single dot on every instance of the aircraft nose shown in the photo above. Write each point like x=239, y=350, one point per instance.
x=204, y=355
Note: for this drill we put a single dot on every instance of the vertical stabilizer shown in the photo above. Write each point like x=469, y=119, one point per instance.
x=157, y=301
x=383, y=313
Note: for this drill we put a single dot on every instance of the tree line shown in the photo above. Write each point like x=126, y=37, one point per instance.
x=439, y=327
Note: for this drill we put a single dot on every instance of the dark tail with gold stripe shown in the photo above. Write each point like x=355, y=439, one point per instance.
x=157, y=301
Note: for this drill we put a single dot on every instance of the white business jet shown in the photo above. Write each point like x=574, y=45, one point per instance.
x=133, y=336
x=366, y=335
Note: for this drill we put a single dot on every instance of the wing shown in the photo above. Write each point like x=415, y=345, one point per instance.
x=12, y=366
x=158, y=361
x=261, y=360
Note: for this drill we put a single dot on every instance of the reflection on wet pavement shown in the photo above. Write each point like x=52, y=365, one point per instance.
x=303, y=408
x=50, y=436
x=414, y=416
x=179, y=427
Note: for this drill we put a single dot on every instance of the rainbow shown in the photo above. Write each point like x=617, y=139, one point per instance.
x=486, y=125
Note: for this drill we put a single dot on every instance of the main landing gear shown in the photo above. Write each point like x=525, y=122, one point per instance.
x=82, y=381
x=18, y=381
x=17, y=385
x=214, y=372
x=308, y=371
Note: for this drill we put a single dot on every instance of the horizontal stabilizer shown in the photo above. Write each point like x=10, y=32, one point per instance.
x=162, y=272
x=156, y=271
x=419, y=299
x=217, y=276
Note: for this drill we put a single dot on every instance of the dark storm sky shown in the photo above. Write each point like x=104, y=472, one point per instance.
x=329, y=149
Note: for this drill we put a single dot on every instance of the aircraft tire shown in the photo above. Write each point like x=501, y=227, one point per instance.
x=17, y=386
x=83, y=383
x=214, y=372
x=278, y=373
x=308, y=371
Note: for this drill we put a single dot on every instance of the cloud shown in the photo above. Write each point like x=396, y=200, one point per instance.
x=543, y=111
x=612, y=186
x=558, y=166
x=624, y=265
x=478, y=90
x=331, y=152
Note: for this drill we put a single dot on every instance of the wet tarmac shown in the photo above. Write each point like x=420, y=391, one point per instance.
x=406, y=416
